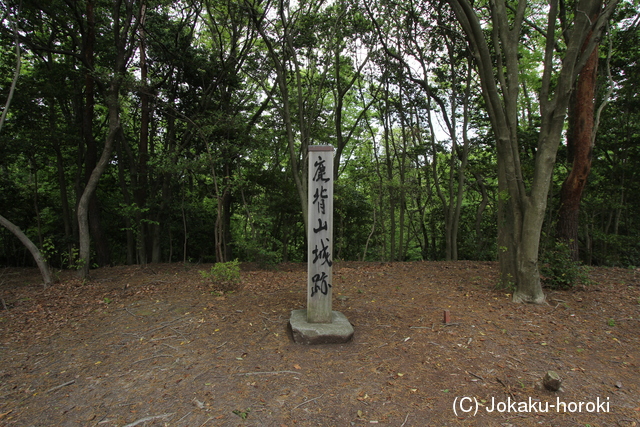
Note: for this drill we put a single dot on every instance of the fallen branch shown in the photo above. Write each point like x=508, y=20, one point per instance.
x=60, y=386
x=145, y=419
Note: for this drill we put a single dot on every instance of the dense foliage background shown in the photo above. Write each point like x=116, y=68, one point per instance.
x=217, y=102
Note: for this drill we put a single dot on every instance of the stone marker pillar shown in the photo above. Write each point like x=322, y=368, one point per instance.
x=320, y=234
x=318, y=324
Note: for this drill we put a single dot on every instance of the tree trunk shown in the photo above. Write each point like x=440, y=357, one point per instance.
x=480, y=242
x=16, y=75
x=126, y=25
x=92, y=183
x=388, y=135
x=64, y=200
x=522, y=202
x=91, y=154
x=128, y=225
x=162, y=217
x=580, y=144
x=140, y=194
x=37, y=256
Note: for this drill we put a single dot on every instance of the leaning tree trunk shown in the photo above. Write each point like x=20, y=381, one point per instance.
x=37, y=256
x=92, y=183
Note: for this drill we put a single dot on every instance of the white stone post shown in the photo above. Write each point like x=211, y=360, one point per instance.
x=320, y=234
x=317, y=324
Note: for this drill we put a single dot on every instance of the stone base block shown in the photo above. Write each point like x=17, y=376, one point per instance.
x=339, y=331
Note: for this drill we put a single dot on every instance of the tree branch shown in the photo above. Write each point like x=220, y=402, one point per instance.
x=14, y=82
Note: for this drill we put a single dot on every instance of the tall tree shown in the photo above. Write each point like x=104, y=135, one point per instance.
x=126, y=19
x=580, y=140
x=523, y=199
x=581, y=137
x=33, y=249
x=88, y=138
x=289, y=34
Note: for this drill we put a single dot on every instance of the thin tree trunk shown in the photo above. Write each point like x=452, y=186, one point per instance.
x=479, y=211
x=37, y=256
x=14, y=81
x=131, y=243
x=143, y=151
x=89, y=190
x=124, y=26
x=391, y=190
x=64, y=200
x=91, y=154
x=186, y=235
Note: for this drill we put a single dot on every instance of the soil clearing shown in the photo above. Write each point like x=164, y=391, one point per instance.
x=158, y=346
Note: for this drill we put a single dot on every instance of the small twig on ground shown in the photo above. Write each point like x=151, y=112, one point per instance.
x=145, y=419
x=405, y=419
x=516, y=359
x=60, y=386
x=131, y=313
x=451, y=324
x=170, y=346
x=507, y=387
x=477, y=376
x=185, y=416
x=419, y=327
x=208, y=419
x=272, y=321
x=307, y=401
x=554, y=308
x=269, y=373
x=179, y=333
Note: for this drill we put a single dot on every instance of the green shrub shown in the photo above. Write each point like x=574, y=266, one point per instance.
x=224, y=276
x=559, y=270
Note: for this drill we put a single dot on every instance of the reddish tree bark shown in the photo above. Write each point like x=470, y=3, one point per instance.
x=580, y=145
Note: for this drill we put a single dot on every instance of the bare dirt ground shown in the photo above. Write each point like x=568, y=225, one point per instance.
x=156, y=346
